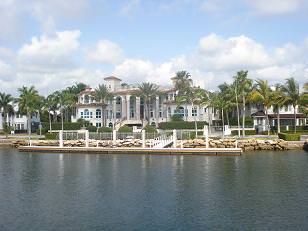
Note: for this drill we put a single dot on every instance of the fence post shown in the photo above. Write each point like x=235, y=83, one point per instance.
x=174, y=138
x=87, y=138
x=61, y=139
x=114, y=136
x=206, y=135
x=143, y=138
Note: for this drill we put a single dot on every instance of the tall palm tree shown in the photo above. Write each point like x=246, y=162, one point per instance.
x=244, y=87
x=228, y=97
x=291, y=90
x=50, y=105
x=279, y=100
x=262, y=93
x=101, y=94
x=182, y=81
x=27, y=102
x=304, y=100
x=6, y=106
x=194, y=96
x=148, y=91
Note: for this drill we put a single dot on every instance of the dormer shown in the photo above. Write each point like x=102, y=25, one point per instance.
x=113, y=83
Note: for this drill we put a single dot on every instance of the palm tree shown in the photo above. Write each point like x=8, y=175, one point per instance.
x=194, y=96
x=6, y=106
x=291, y=90
x=279, y=100
x=182, y=81
x=262, y=93
x=27, y=102
x=243, y=89
x=148, y=91
x=304, y=100
x=228, y=97
x=101, y=94
x=217, y=101
x=50, y=105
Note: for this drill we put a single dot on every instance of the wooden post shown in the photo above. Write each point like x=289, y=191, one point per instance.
x=206, y=135
x=143, y=138
x=174, y=138
x=61, y=139
x=87, y=138
x=114, y=137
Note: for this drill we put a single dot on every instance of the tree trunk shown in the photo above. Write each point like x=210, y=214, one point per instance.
x=29, y=125
x=278, y=121
x=227, y=115
x=294, y=106
x=267, y=122
x=244, y=114
x=195, y=120
x=238, y=115
x=223, y=123
x=62, y=126
x=49, y=117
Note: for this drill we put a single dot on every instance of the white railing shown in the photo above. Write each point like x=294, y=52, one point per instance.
x=161, y=141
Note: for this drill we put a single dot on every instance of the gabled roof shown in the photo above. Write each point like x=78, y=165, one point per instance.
x=112, y=78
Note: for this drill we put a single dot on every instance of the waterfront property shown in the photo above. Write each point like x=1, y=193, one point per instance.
x=127, y=108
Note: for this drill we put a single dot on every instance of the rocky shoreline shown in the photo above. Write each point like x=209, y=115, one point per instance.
x=246, y=145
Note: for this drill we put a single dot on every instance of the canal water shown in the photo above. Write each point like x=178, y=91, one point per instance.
x=255, y=191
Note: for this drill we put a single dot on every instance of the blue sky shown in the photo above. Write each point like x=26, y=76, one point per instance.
x=53, y=43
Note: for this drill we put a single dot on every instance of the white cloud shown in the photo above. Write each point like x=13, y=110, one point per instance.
x=47, y=53
x=6, y=71
x=106, y=52
x=129, y=6
x=276, y=7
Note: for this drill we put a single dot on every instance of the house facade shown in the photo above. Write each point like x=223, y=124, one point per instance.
x=126, y=108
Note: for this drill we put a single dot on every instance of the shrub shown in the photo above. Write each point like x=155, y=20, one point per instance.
x=289, y=137
x=51, y=136
x=181, y=125
x=150, y=129
x=66, y=126
x=176, y=117
x=247, y=132
x=105, y=129
x=91, y=128
x=125, y=129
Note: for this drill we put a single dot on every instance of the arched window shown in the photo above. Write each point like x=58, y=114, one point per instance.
x=86, y=99
x=194, y=111
x=110, y=125
x=86, y=114
x=98, y=113
x=118, y=100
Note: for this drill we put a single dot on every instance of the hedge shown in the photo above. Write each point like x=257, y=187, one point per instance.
x=150, y=129
x=125, y=129
x=105, y=129
x=51, y=136
x=247, y=132
x=289, y=137
x=91, y=128
x=66, y=126
x=248, y=121
x=181, y=125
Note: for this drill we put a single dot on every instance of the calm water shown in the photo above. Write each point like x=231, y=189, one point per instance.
x=264, y=191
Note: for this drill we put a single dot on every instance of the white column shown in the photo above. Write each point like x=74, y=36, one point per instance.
x=114, y=136
x=61, y=139
x=206, y=135
x=114, y=109
x=87, y=138
x=138, y=108
x=156, y=109
x=128, y=107
x=123, y=108
x=174, y=138
x=143, y=138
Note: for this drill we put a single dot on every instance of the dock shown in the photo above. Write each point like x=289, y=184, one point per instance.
x=136, y=151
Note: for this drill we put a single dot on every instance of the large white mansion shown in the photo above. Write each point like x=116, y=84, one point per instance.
x=128, y=109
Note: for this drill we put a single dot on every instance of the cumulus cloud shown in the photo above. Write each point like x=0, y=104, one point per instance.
x=107, y=52
x=276, y=7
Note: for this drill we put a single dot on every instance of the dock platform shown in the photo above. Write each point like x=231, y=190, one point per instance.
x=136, y=151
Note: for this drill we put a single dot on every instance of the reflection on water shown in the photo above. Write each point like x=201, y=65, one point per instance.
x=264, y=191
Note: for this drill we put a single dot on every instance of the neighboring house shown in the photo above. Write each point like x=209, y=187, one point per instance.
x=19, y=121
x=286, y=117
x=128, y=109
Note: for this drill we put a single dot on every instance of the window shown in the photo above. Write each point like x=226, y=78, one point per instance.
x=110, y=125
x=91, y=115
x=118, y=100
x=98, y=113
x=86, y=114
x=98, y=125
x=81, y=114
x=179, y=111
x=169, y=112
x=205, y=109
x=160, y=112
x=86, y=99
x=194, y=111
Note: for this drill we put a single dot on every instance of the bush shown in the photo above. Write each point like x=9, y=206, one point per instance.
x=51, y=136
x=105, y=129
x=125, y=129
x=247, y=132
x=181, y=125
x=66, y=126
x=150, y=129
x=289, y=137
x=176, y=117
x=91, y=128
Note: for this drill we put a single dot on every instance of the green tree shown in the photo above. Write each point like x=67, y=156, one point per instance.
x=28, y=103
x=182, y=81
x=101, y=94
x=148, y=91
x=279, y=101
x=263, y=94
x=6, y=106
x=293, y=97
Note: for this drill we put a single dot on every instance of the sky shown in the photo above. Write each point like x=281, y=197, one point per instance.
x=52, y=44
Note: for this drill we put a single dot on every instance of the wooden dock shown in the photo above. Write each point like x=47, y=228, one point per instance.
x=136, y=151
